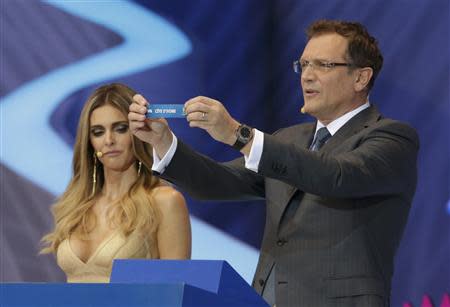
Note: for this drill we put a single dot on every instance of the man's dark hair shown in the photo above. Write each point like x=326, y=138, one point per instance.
x=362, y=48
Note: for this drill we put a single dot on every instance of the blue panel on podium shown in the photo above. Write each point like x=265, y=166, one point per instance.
x=225, y=286
x=162, y=283
x=80, y=295
x=204, y=274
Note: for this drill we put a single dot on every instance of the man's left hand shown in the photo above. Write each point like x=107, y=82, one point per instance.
x=210, y=115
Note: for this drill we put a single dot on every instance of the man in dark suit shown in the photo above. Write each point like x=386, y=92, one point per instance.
x=338, y=191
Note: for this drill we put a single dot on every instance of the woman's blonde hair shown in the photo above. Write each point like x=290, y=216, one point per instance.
x=135, y=210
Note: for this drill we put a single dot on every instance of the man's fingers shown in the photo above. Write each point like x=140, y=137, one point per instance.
x=139, y=99
x=206, y=100
x=197, y=107
x=137, y=127
x=199, y=100
x=136, y=117
x=138, y=124
x=137, y=108
x=198, y=116
x=199, y=124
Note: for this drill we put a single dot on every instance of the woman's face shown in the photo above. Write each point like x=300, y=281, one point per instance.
x=110, y=134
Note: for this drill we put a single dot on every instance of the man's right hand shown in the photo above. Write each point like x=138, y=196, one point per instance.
x=156, y=132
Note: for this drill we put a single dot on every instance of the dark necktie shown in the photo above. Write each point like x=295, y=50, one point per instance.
x=322, y=137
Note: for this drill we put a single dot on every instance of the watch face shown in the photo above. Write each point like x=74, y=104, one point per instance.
x=245, y=132
x=243, y=135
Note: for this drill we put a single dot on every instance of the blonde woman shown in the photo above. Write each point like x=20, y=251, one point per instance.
x=114, y=207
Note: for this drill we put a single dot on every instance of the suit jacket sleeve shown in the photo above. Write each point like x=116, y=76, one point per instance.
x=382, y=161
x=204, y=178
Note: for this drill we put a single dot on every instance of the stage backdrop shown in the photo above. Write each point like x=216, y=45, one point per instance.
x=54, y=53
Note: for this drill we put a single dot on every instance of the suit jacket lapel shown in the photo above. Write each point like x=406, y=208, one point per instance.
x=360, y=121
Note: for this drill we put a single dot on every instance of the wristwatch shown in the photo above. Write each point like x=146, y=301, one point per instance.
x=244, y=134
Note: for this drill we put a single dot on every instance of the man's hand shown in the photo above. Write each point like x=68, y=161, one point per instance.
x=211, y=115
x=153, y=131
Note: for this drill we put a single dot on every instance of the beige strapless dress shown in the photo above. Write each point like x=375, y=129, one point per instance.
x=97, y=269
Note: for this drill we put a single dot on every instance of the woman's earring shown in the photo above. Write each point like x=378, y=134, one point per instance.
x=139, y=168
x=94, y=175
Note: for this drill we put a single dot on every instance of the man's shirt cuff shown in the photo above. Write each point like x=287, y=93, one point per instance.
x=159, y=165
x=252, y=160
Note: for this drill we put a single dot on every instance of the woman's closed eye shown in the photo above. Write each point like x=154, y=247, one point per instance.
x=96, y=132
x=121, y=128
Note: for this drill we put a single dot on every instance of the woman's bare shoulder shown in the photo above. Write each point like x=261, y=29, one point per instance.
x=167, y=198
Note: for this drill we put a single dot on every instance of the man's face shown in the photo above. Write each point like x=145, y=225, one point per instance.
x=328, y=92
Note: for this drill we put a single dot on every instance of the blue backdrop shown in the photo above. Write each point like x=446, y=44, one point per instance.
x=54, y=53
